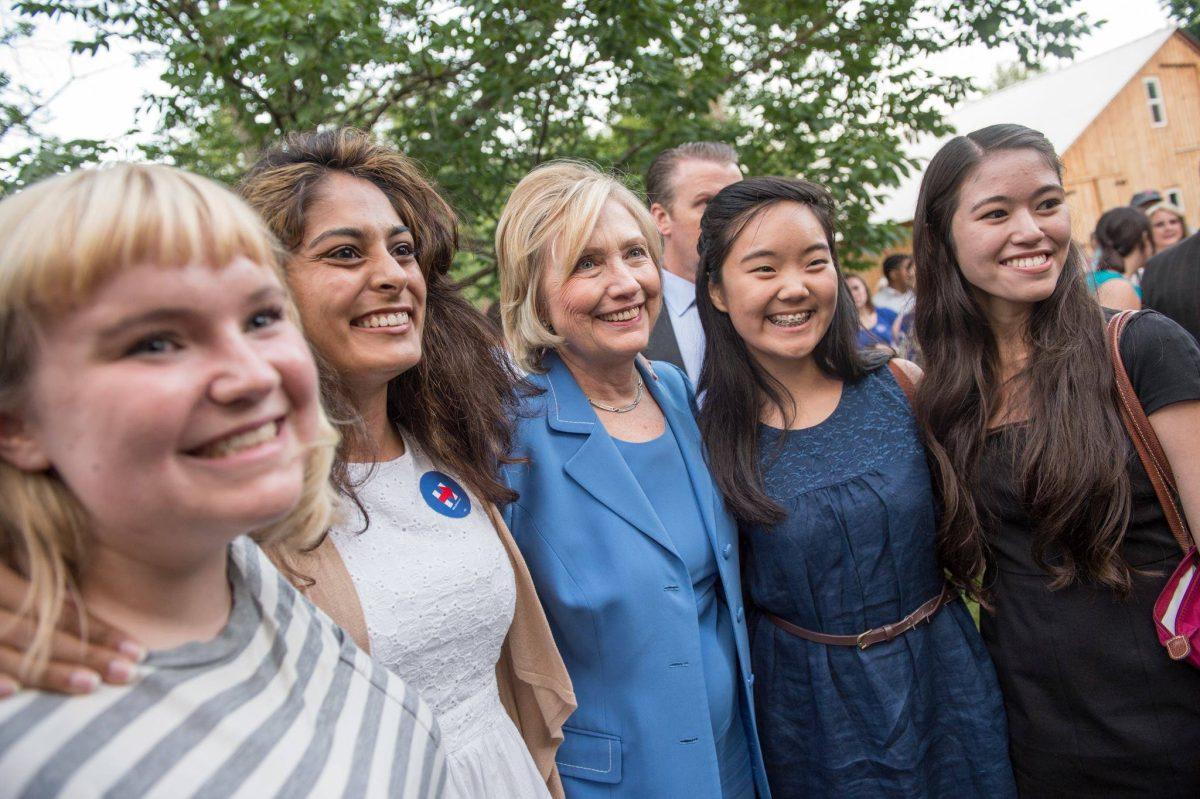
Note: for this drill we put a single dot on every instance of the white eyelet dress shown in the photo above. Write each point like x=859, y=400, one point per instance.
x=437, y=592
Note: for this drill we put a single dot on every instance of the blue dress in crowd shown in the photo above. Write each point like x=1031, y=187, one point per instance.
x=919, y=716
x=881, y=332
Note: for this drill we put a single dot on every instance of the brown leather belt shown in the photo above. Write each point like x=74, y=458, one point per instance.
x=871, y=637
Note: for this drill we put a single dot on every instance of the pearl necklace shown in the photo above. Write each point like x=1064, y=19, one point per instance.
x=624, y=408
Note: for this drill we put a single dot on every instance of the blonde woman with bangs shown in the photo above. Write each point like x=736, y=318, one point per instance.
x=420, y=570
x=159, y=422
x=633, y=553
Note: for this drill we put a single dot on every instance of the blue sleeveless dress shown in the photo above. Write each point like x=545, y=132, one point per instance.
x=919, y=716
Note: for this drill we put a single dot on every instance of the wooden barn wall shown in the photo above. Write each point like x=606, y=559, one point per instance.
x=1121, y=152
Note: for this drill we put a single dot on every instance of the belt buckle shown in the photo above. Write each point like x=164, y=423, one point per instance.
x=862, y=644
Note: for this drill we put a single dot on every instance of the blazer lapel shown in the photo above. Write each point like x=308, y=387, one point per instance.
x=598, y=466
x=687, y=435
x=663, y=345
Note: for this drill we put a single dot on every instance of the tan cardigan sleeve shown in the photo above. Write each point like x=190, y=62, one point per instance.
x=532, y=679
x=332, y=588
x=534, y=685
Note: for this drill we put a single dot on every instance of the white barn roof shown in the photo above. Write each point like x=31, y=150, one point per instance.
x=1060, y=104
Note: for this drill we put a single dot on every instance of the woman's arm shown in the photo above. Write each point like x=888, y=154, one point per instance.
x=1118, y=295
x=911, y=369
x=1178, y=428
x=81, y=654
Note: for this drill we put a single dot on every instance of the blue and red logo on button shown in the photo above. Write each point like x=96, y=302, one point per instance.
x=444, y=495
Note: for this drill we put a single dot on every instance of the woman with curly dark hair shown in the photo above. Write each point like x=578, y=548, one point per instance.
x=1047, y=516
x=419, y=571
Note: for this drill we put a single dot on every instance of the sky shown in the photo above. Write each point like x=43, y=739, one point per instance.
x=99, y=97
x=1124, y=21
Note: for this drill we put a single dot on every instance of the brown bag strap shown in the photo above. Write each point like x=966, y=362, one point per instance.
x=1145, y=441
x=906, y=383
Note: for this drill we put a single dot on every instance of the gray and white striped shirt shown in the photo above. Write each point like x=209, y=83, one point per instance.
x=281, y=703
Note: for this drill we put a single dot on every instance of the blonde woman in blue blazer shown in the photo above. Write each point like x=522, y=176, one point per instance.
x=633, y=554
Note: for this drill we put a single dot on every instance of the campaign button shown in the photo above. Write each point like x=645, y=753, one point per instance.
x=444, y=495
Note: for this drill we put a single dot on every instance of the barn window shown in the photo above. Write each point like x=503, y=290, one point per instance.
x=1154, y=99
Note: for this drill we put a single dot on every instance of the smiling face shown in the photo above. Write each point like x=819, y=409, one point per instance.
x=1011, y=231
x=779, y=285
x=1166, y=227
x=606, y=305
x=902, y=277
x=176, y=404
x=357, y=283
x=858, y=291
x=695, y=181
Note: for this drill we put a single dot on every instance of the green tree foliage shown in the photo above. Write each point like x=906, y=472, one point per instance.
x=1010, y=74
x=32, y=155
x=483, y=90
x=1186, y=13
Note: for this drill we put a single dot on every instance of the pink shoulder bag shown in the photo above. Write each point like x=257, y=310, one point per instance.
x=1177, y=611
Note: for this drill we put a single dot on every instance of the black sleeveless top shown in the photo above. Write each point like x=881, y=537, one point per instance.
x=1095, y=706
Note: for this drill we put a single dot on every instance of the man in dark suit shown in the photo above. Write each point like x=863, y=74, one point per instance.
x=679, y=184
x=1171, y=284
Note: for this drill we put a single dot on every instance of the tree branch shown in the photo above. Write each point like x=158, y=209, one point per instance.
x=476, y=276
x=638, y=146
x=21, y=120
x=802, y=38
x=183, y=16
x=400, y=92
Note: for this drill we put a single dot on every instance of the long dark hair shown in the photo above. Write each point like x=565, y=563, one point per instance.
x=1072, y=465
x=736, y=389
x=1119, y=232
x=458, y=401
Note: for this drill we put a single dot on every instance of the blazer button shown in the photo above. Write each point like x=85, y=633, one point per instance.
x=726, y=550
x=741, y=614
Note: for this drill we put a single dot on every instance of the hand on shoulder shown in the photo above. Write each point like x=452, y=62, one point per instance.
x=909, y=368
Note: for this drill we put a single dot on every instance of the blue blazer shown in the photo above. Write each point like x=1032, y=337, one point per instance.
x=619, y=598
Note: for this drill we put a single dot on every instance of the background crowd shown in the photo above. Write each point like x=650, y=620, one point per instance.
x=683, y=525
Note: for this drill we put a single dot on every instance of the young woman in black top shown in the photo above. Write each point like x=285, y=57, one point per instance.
x=1047, y=515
